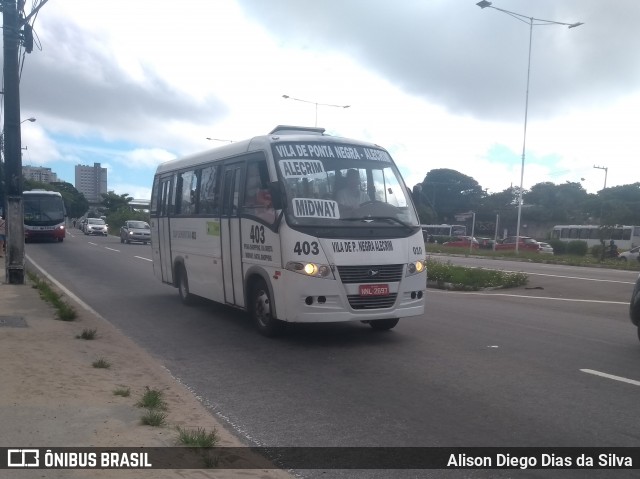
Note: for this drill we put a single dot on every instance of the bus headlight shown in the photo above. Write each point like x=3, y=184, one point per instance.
x=311, y=269
x=416, y=267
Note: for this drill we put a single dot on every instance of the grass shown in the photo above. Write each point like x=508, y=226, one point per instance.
x=122, y=391
x=198, y=437
x=64, y=312
x=472, y=278
x=152, y=399
x=87, y=334
x=101, y=364
x=153, y=418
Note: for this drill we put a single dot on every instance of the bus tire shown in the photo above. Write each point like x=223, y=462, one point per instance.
x=183, y=286
x=383, y=324
x=260, y=310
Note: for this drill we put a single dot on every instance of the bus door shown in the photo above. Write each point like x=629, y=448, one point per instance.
x=164, y=232
x=230, y=235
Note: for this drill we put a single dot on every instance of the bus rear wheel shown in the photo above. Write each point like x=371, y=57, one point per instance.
x=183, y=287
x=383, y=324
x=260, y=309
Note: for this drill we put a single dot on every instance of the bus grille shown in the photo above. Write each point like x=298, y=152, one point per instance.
x=371, y=302
x=388, y=273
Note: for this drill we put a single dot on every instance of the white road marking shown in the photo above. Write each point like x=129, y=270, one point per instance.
x=524, y=296
x=611, y=376
x=140, y=257
x=111, y=249
x=94, y=244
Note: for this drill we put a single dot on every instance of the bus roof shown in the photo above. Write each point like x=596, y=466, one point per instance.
x=258, y=143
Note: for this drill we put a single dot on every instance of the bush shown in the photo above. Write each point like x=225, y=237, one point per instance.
x=577, y=248
x=559, y=246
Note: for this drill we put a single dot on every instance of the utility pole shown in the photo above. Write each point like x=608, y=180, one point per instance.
x=13, y=24
x=14, y=213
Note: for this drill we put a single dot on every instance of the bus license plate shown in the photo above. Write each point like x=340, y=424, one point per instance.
x=374, y=290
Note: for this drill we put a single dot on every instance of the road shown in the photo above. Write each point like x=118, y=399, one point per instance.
x=555, y=365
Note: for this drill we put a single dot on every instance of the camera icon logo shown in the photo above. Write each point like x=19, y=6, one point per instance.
x=23, y=458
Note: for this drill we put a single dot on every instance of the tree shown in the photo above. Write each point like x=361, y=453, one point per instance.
x=449, y=192
x=113, y=202
x=565, y=203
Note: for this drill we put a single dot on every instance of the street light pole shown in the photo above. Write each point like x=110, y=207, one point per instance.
x=287, y=97
x=531, y=21
x=606, y=170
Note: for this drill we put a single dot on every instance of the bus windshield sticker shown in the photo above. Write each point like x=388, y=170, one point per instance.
x=299, y=168
x=314, y=208
x=321, y=150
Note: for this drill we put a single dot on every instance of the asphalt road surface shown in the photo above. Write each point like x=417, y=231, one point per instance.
x=551, y=364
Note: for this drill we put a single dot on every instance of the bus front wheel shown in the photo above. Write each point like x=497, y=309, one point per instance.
x=383, y=324
x=183, y=287
x=260, y=308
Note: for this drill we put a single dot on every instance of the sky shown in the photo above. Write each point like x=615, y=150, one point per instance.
x=438, y=83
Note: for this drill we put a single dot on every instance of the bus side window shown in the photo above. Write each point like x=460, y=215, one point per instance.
x=210, y=185
x=257, y=198
x=188, y=196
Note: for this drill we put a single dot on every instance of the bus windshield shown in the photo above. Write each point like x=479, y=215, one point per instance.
x=43, y=210
x=330, y=184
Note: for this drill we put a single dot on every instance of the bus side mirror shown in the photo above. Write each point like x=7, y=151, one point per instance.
x=275, y=188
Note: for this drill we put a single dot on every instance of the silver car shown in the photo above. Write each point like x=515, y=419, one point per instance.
x=133, y=230
x=634, y=306
x=631, y=255
x=95, y=226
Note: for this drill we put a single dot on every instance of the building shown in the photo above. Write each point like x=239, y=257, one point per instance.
x=91, y=181
x=39, y=173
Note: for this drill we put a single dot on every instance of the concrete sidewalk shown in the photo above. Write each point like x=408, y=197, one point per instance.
x=52, y=396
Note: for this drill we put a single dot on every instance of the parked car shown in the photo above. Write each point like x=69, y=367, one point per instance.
x=545, y=248
x=135, y=231
x=463, y=242
x=631, y=255
x=634, y=306
x=95, y=226
x=486, y=243
x=525, y=244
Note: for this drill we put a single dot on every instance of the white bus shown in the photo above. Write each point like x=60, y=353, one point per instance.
x=444, y=230
x=625, y=237
x=44, y=215
x=259, y=225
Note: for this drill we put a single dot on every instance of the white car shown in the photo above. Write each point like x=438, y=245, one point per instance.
x=545, y=248
x=95, y=226
x=631, y=255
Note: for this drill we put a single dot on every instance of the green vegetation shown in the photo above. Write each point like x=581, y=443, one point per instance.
x=122, y=391
x=87, y=334
x=153, y=418
x=198, y=437
x=152, y=399
x=591, y=259
x=101, y=364
x=445, y=193
x=462, y=278
x=64, y=312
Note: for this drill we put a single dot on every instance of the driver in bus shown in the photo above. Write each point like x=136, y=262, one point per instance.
x=351, y=195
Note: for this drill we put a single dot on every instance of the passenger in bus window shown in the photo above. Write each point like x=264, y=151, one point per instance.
x=257, y=198
x=350, y=196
